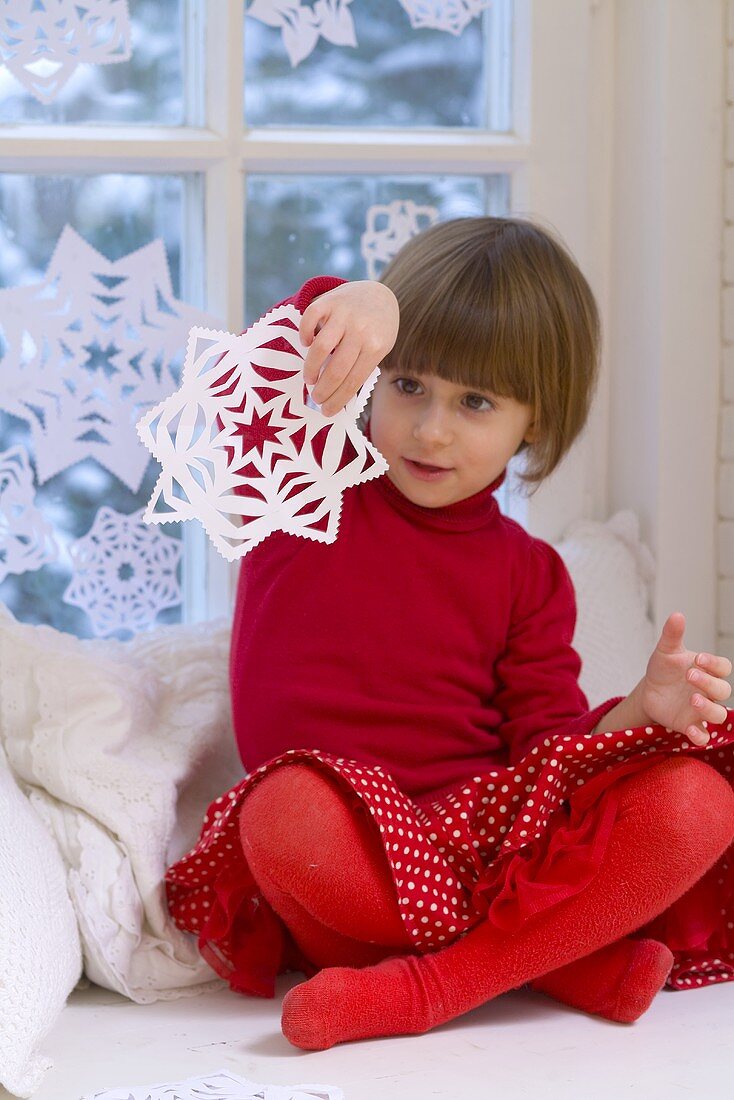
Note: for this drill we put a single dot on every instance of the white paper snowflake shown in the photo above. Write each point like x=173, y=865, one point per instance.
x=221, y=1085
x=43, y=42
x=391, y=226
x=87, y=350
x=26, y=537
x=303, y=24
x=241, y=449
x=124, y=572
x=453, y=16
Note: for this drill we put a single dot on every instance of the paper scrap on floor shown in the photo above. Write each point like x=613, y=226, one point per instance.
x=220, y=1085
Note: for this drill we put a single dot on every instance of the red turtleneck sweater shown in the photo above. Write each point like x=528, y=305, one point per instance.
x=435, y=642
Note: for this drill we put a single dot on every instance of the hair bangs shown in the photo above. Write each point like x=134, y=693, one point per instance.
x=464, y=338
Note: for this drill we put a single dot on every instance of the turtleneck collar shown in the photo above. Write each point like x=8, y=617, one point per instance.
x=465, y=515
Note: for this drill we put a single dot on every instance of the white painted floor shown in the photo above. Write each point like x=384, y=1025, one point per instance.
x=519, y=1045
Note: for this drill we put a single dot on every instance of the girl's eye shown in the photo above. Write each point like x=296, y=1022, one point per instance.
x=477, y=403
x=406, y=385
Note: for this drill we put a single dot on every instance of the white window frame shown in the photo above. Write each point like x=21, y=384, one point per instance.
x=556, y=159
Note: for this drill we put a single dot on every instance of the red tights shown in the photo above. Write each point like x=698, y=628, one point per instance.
x=321, y=866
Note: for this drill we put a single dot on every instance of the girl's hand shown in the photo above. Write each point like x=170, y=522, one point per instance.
x=682, y=689
x=357, y=325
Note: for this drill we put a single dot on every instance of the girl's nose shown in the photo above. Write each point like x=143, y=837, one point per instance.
x=433, y=426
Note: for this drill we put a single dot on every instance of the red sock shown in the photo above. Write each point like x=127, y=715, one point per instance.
x=618, y=982
x=676, y=818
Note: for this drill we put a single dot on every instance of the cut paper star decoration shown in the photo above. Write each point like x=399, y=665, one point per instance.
x=242, y=448
x=453, y=16
x=84, y=352
x=389, y=227
x=303, y=24
x=43, y=42
x=124, y=573
x=220, y=1085
x=26, y=537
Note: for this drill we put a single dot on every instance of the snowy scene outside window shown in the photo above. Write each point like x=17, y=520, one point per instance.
x=150, y=249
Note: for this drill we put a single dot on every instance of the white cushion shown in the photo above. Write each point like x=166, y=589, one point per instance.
x=125, y=745
x=612, y=571
x=40, y=956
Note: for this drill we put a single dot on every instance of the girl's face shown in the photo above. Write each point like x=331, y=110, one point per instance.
x=444, y=442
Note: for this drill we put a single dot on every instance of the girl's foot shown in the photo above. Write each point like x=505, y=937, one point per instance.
x=618, y=982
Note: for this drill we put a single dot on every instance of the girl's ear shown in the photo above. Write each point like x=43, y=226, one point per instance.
x=531, y=434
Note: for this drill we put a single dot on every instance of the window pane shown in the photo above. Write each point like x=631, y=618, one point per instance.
x=397, y=76
x=147, y=88
x=115, y=214
x=300, y=226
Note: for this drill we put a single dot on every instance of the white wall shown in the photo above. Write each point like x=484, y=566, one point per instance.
x=664, y=324
x=646, y=228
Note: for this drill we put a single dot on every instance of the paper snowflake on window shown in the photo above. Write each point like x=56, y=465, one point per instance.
x=89, y=348
x=124, y=573
x=43, y=42
x=243, y=452
x=389, y=228
x=303, y=24
x=220, y=1085
x=453, y=16
x=26, y=538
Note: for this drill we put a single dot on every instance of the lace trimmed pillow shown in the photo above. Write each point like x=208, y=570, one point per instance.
x=125, y=744
x=40, y=956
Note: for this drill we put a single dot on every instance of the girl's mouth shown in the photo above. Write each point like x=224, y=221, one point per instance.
x=425, y=472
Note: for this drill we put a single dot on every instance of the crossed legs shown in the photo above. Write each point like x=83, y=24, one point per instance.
x=321, y=866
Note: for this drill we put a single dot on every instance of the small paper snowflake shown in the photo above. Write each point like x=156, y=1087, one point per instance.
x=303, y=24
x=453, y=16
x=124, y=573
x=243, y=452
x=389, y=228
x=220, y=1085
x=43, y=42
x=26, y=537
x=87, y=350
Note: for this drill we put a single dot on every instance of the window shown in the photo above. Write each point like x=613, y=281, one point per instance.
x=257, y=173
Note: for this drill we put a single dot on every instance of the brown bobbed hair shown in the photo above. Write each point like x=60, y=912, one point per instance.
x=498, y=304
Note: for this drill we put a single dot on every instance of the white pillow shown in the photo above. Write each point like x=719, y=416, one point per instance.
x=612, y=572
x=40, y=956
x=125, y=745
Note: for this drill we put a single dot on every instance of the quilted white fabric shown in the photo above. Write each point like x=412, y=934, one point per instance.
x=40, y=956
x=124, y=744
x=612, y=572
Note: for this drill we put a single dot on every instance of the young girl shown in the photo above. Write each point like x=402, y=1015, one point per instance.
x=433, y=816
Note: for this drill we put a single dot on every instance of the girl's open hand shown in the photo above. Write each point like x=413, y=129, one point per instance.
x=682, y=689
x=356, y=324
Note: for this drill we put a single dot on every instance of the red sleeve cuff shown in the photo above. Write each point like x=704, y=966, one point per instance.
x=311, y=290
x=574, y=727
x=585, y=723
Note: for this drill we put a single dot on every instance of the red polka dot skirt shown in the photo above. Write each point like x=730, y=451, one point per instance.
x=502, y=846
